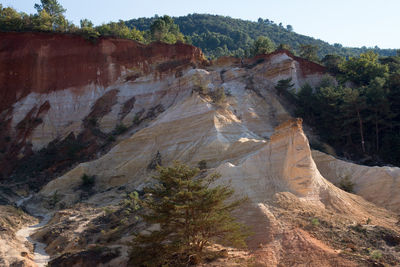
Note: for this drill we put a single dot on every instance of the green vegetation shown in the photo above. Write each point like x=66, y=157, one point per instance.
x=88, y=181
x=120, y=129
x=376, y=254
x=360, y=115
x=202, y=164
x=50, y=18
x=54, y=199
x=314, y=222
x=190, y=215
x=218, y=95
x=309, y=52
x=164, y=29
x=221, y=36
x=263, y=45
x=283, y=87
x=346, y=184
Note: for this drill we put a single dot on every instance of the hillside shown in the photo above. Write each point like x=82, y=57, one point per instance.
x=218, y=35
x=129, y=105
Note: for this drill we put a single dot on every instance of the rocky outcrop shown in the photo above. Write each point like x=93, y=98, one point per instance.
x=380, y=185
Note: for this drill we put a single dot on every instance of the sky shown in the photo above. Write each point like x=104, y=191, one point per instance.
x=352, y=23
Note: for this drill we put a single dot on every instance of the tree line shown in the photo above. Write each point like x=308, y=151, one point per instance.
x=225, y=36
x=49, y=17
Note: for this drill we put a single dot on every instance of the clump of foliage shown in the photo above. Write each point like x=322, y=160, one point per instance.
x=119, y=29
x=376, y=254
x=364, y=69
x=309, y=52
x=200, y=85
x=263, y=45
x=283, y=86
x=137, y=120
x=92, y=121
x=314, y=222
x=202, y=164
x=190, y=215
x=110, y=138
x=332, y=63
x=156, y=161
x=88, y=181
x=218, y=95
x=164, y=29
x=120, y=129
x=346, y=184
x=54, y=199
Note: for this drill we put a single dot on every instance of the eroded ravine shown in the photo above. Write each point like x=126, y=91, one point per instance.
x=40, y=256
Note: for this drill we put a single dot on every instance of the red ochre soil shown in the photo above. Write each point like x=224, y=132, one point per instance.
x=46, y=62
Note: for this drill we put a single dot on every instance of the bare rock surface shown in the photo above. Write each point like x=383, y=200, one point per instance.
x=380, y=185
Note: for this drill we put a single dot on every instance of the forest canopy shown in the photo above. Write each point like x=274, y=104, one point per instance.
x=222, y=36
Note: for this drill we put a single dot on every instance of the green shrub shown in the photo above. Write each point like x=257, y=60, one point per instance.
x=55, y=198
x=93, y=122
x=137, y=120
x=218, y=95
x=111, y=138
x=359, y=228
x=315, y=222
x=202, y=164
x=120, y=128
x=88, y=181
x=346, y=184
x=376, y=254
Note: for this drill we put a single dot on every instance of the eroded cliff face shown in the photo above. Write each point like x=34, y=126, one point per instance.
x=54, y=85
x=44, y=63
x=114, y=109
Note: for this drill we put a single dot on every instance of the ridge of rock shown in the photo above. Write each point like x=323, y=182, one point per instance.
x=364, y=179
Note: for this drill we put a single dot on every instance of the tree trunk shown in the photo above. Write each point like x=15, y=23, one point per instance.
x=361, y=131
x=377, y=132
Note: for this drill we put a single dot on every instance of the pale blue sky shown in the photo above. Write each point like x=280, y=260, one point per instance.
x=349, y=22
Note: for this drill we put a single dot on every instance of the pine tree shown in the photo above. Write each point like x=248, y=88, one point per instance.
x=190, y=215
x=354, y=103
x=283, y=86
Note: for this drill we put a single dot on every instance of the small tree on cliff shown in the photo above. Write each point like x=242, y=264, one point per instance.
x=55, y=13
x=309, y=52
x=263, y=45
x=190, y=215
x=283, y=86
x=164, y=29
